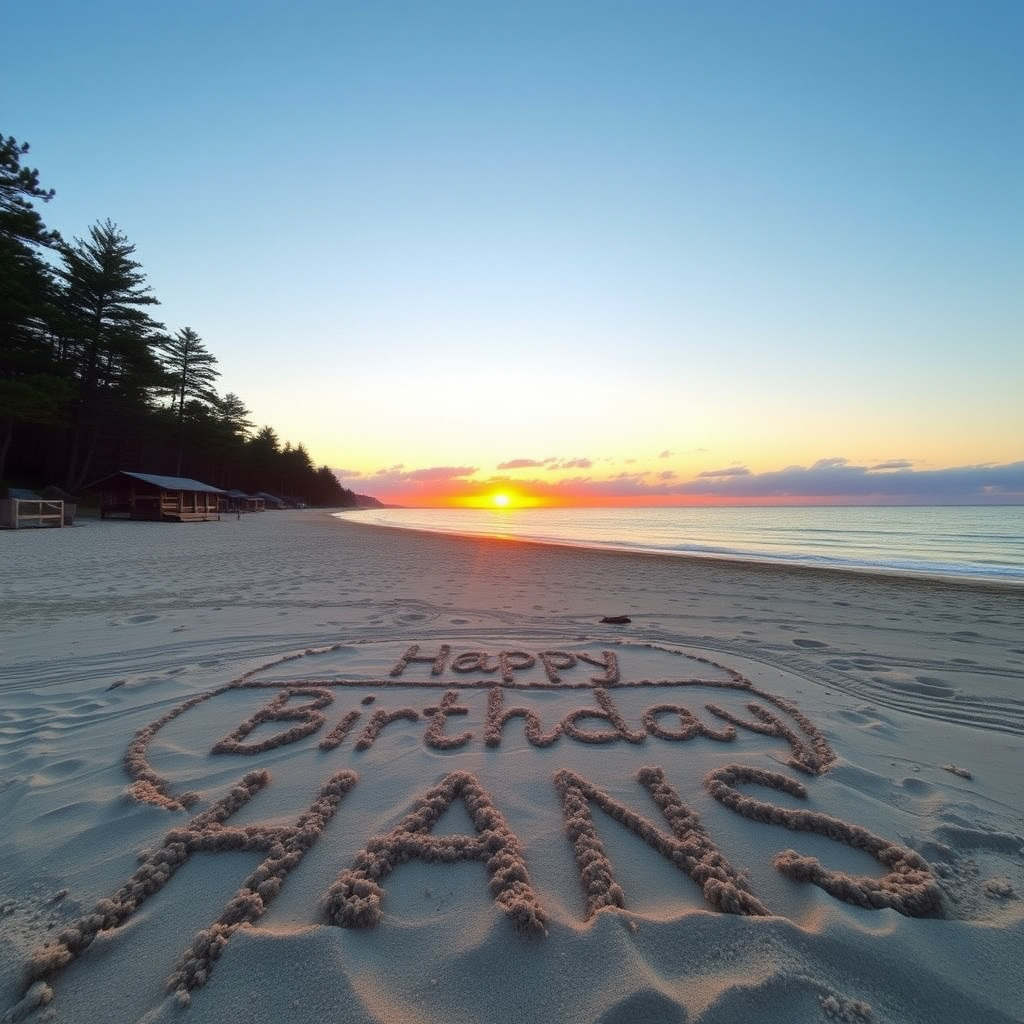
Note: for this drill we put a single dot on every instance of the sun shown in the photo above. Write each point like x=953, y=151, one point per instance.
x=507, y=499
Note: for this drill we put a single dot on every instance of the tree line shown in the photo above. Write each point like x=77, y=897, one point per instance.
x=90, y=383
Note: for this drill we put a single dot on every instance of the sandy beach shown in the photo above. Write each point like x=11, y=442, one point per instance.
x=296, y=768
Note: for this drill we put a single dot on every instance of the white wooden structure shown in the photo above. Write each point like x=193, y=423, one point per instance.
x=18, y=513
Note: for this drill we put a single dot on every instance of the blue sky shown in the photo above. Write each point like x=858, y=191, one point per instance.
x=429, y=240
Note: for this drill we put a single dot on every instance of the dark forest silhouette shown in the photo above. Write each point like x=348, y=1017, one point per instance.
x=90, y=383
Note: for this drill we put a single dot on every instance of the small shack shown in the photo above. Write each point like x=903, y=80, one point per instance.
x=168, y=499
x=23, y=508
x=238, y=501
x=271, y=500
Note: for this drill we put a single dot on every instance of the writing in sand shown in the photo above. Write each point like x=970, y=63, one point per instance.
x=503, y=702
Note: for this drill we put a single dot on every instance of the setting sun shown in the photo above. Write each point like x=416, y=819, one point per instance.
x=490, y=497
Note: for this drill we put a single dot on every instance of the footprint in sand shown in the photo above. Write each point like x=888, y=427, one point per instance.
x=917, y=787
x=77, y=708
x=647, y=1004
x=968, y=838
x=925, y=686
x=868, y=722
x=64, y=768
x=810, y=643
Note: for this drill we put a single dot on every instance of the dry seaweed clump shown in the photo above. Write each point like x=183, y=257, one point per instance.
x=689, y=848
x=355, y=898
x=284, y=845
x=909, y=885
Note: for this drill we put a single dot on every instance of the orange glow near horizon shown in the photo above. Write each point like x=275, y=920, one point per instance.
x=505, y=498
x=509, y=499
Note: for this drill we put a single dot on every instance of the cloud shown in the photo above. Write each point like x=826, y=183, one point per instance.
x=832, y=480
x=836, y=478
x=398, y=476
x=522, y=464
x=666, y=454
x=436, y=473
x=551, y=462
x=828, y=481
x=731, y=471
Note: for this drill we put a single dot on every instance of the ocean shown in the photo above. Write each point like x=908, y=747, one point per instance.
x=976, y=542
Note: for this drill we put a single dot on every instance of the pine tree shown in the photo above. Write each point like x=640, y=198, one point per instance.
x=110, y=338
x=18, y=187
x=30, y=391
x=231, y=411
x=191, y=372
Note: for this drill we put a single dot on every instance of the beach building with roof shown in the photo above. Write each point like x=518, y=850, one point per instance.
x=240, y=501
x=157, y=498
x=271, y=500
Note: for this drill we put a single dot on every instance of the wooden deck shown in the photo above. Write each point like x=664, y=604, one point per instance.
x=166, y=507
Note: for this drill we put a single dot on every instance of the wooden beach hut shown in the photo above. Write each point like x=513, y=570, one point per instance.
x=271, y=500
x=238, y=501
x=169, y=499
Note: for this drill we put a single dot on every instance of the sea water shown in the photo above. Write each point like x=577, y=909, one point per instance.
x=979, y=542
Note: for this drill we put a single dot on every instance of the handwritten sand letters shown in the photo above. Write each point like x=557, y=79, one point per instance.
x=302, y=709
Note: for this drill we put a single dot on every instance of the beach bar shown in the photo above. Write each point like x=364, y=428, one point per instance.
x=169, y=499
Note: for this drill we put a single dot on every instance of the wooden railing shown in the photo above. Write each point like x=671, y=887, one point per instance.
x=17, y=513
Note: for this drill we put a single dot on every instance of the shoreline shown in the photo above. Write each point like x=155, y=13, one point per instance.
x=752, y=562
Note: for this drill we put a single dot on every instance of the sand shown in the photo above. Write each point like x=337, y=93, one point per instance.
x=296, y=768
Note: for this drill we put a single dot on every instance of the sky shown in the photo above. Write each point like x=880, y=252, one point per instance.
x=569, y=251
